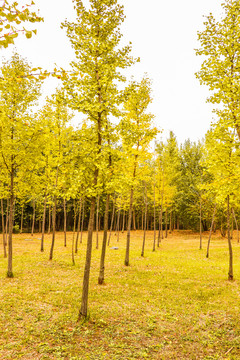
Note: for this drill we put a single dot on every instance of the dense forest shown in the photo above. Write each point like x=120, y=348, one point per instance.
x=111, y=173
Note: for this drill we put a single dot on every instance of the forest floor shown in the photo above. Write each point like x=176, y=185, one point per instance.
x=172, y=304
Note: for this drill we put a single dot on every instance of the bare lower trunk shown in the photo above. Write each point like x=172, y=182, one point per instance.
x=49, y=219
x=78, y=226
x=154, y=219
x=43, y=223
x=74, y=229
x=53, y=227
x=21, y=228
x=84, y=303
x=7, y=220
x=160, y=225
x=145, y=223
x=126, y=262
x=104, y=243
x=118, y=223
x=97, y=223
x=3, y=231
x=230, y=272
x=200, y=224
x=236, y=224
x=211, y=229
x=123, y=222
x=65, y=222
x=11, y=204
x=166, y=223
x=111, y=226
x=33, y=220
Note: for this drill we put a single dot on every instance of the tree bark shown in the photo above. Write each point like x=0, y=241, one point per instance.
x=97, y=223
x=104, y=243
x=111, y=226
x=65, y=222
x=154, y=219
x=3, y=231
x=49, y=219
x=21, y=227
x=230, y=272
x=211, y=229
x=145, y=221
x=200, y=223
x=11, y=204
x=43, y=223
x=129, y=229
x=118, y=223
x=33, y=220
x=166, y=223
x=78, y=225
x=123, y=224
x=53, y=227
x=74, y=228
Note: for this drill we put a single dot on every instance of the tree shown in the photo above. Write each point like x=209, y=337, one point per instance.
x=11, y=17
x=92, y=87
x=18, y=130
x=137, y=132
x=220, y=71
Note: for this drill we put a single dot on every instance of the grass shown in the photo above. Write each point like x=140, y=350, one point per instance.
x=172, y=304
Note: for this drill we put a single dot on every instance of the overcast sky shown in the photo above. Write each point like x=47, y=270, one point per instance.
x=163, y=34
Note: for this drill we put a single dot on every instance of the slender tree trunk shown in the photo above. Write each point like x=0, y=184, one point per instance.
x=74, y=229
x=21, y=227
x=49, y=219
x=134, y=219
x=7, y=220
x=111, y=226
x=104, y=243
x=53, y=227
x=65, y=222
x=236, y=224
x=97, y=223
x=118, y=223
x=160, y=225
x=82, y=220
x=129, y=230
x=43, y=223
x=34, y=213
x=11, y=204
x=123, y=224
x=145, y=221
x=170, y=226
x=3, y=231
x=78, y=226
x=200, y=223
x=154, y=219
x=166, y=223
x=230, y=272
x=211, y=229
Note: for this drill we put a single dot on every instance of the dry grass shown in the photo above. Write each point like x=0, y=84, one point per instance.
x=172, y=304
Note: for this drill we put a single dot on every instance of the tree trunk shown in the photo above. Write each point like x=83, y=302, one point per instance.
x=11, y=204
x=7, y=220
x=65, y=222
x=3, y=231
x=78, y=226
x=170, y=226
x=111, y=226
x=134, y=219
x=74, y=229
x=236, y=223
x=43, y=223
x=21, y=228
x=160, y=226
x=166, y=223
x=33, y=220
x=211, y=229
x=129, y=230
x=230, y=272
x=104, y=243
x=118, y=223
x=84, y=303
x=49, y=219
x=200, y=223
x=97, y=223
x=53, y=226
x=154, y=219
x=123, y=224
x=145, y=222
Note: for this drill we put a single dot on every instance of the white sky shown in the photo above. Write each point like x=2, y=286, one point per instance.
x=163, y=34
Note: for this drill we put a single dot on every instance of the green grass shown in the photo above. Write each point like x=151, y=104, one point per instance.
x=172, y=304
